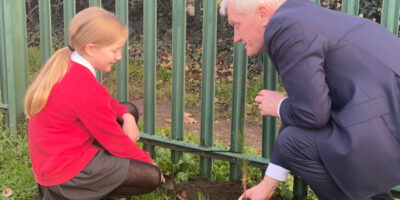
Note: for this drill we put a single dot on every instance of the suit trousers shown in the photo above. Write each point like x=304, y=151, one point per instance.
x=296, y=150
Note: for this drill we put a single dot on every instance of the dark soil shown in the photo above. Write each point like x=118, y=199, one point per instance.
x=211, y=190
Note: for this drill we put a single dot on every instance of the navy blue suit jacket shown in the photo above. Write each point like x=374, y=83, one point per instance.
x=341, y=71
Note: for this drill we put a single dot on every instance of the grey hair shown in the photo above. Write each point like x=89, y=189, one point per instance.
x=247, y=6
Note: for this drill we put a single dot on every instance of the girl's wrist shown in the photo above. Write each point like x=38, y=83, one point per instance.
x=127, y=117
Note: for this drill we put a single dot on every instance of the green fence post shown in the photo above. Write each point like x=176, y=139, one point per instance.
x=121, y=9
x=150, y=58
x=350, y=6
x=69, y=12
x=178, y=72
x=300, y=189
x=45, y=30
x=3, y=64
x=208, y=82
x=269, y=123
x=238, y=106
x=390, y=15
x=96, y=3
x=15, y=58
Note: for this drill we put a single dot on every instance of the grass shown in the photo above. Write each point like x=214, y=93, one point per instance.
x=15, y=166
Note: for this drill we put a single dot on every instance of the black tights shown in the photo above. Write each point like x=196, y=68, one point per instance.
x=142, y=178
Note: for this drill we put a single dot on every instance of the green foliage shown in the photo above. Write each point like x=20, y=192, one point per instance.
x=164, y=74
x=33, y=61
x=371, y=9
x=16, y=172
x=193, y=89
x=223, y=92
x=285, y=190
x=201, y=196
x=135, y=78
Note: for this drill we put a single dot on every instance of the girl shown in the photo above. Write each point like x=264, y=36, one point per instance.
x=69, y=109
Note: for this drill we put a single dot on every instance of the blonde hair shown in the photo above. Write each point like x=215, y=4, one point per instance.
x=92, y=25
x=248, y=6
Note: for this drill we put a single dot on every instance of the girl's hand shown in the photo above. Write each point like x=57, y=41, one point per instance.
x=130, y=128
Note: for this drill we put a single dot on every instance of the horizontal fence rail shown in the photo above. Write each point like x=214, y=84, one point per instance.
x=14, y=77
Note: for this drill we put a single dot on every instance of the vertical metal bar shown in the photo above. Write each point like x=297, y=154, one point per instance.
x=8, y=61
x=3, y=64
x=15, y=58
x=317, y=1
x=238, y=105
x=350, y=6
x=390, y=15
x=69, y=12
x=45, y=30
x=178, y=71
x=150, y=58
x=96, y=3
x=300, y=189
x=269, y=123
x=208, y=82
x=121, y=9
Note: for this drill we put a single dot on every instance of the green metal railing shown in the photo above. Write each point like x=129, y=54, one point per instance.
x=14, y=73
x=150, y=58
x=178, y=72
x=14, y=60
x=208, y=82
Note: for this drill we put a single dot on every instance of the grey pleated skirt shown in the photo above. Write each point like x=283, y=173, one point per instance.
x=102, y=175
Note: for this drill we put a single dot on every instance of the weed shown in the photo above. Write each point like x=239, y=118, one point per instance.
x=15, y=165
x=201, y=196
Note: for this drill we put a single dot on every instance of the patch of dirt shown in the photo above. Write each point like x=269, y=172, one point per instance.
x=197, y=188
x=222, y=127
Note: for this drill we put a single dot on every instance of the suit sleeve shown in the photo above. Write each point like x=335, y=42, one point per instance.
x=98, y=115
x=299, y=60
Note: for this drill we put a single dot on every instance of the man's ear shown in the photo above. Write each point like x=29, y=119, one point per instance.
x=265, y=13
x=89, y=49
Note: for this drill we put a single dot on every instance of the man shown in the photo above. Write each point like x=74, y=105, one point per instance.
x=341, y=120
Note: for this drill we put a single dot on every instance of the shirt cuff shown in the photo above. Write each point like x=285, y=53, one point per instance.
x=279, y=107
x=277, y=172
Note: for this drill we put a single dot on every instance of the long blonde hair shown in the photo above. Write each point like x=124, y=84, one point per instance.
x=92, y=25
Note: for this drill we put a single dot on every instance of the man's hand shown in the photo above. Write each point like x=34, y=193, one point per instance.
x=263, y=191
x=269, y=101
x=129, y=127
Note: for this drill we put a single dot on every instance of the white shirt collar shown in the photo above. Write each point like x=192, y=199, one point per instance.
x=79, y=59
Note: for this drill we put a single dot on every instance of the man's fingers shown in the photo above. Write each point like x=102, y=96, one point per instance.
x=263, y=92
x=260, y=107
x=263, y=113
x=259, y=99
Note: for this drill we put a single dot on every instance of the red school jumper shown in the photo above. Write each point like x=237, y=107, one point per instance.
x=78, y=111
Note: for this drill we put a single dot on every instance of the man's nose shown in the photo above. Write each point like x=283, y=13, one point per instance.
x=119, y=56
